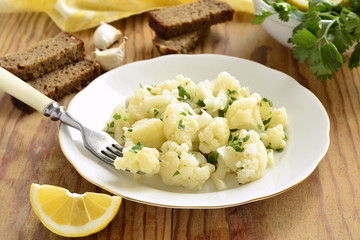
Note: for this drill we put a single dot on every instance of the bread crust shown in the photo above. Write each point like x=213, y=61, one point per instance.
x=45, y=56
x=174, y=21
x=58, y=83
x=181, y=44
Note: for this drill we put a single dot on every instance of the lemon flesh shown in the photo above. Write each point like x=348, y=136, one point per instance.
x=304, y=4
x=70, y=214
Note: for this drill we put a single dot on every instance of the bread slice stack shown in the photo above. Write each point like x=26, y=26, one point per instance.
x=179, y=29
x=55, y=67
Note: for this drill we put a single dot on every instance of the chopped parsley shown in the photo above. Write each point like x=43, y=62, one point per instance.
x=150, y=90
x=156, y=112
x=213, y=158
x=181, y=125
x=184, y=96
x=231, y=92
x=135, y=149
x=265, y=100
x=279, y=149
x=116, y=116
x=266, y=121
x=230, y=100
x=176, y=173
x=183, y=113
x=201, y=103
x=130, y=130
x=109, y=126
x=237, y=142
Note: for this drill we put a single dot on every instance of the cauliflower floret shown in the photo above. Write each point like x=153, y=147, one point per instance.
x=147, y=131
x=272, y=116
x=215, y=135
x=181, y=124
x=137, y=158
x=118, y=120
x=244, y=113
x=274, y=137
x=266, y=108
x=278, y=116
x=246, y=155
x=215, y=96
x=189, y=86
x=144, y=104
x=181, y=168
x=226, y=82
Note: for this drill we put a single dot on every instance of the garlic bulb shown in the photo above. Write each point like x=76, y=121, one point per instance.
x=111, y=58
x=105, y=35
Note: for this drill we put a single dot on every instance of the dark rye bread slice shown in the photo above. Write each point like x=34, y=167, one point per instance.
x=183, y=43
x=68, y=79
x=45, y=56
x=173, y=21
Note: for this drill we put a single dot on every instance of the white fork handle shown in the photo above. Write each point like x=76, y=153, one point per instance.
x=23, y=91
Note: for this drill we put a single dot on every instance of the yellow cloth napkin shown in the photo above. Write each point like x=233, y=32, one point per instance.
x=76, y=15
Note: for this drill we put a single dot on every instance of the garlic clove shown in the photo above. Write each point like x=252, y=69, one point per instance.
x=110, y=58
x=105, y=35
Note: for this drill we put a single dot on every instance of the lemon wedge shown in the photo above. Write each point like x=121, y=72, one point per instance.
x=304, y=4
x=71, y=214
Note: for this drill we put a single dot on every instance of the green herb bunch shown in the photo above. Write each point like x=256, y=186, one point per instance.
x=323, y=47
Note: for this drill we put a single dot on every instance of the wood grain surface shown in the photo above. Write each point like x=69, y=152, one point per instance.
x=324, y=206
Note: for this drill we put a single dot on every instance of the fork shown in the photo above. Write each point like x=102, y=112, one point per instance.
x=99, y=143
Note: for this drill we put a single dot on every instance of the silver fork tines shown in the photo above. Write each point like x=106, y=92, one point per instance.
x=101, y=144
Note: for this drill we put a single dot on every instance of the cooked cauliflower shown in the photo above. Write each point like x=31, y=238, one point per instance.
x=147, y=131
x=181, y=124
x=244, y=113
x=119, y=119
x=139, y=159
x=179, y=167
x=143, y=104
x=215, y=96
x=278, y=116
x=274, y=137
x=246, y=155
x=227, y=83
x=189, y=132
x=215, y=135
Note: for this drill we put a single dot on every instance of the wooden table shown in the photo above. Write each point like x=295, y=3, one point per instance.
x=324, y=206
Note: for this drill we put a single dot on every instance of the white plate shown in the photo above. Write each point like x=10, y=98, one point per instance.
x=308, y=130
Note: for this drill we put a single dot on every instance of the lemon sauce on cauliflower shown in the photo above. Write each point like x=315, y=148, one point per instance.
x=189, y=132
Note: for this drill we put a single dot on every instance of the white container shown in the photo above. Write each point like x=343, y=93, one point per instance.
x=279, y=30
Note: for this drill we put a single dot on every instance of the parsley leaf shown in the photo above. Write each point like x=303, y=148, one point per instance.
x=260, y=17
x=265, y=100
x=116, y=116
x=213, y=158
x=237, y=142
x=201, y=103
x=184, y=96
x=135, y=149
x=322, y=46
x=181, y=125
x=355, y=57
x=156, y=112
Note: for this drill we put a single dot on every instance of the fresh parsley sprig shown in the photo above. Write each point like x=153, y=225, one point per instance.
x=322, y=46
